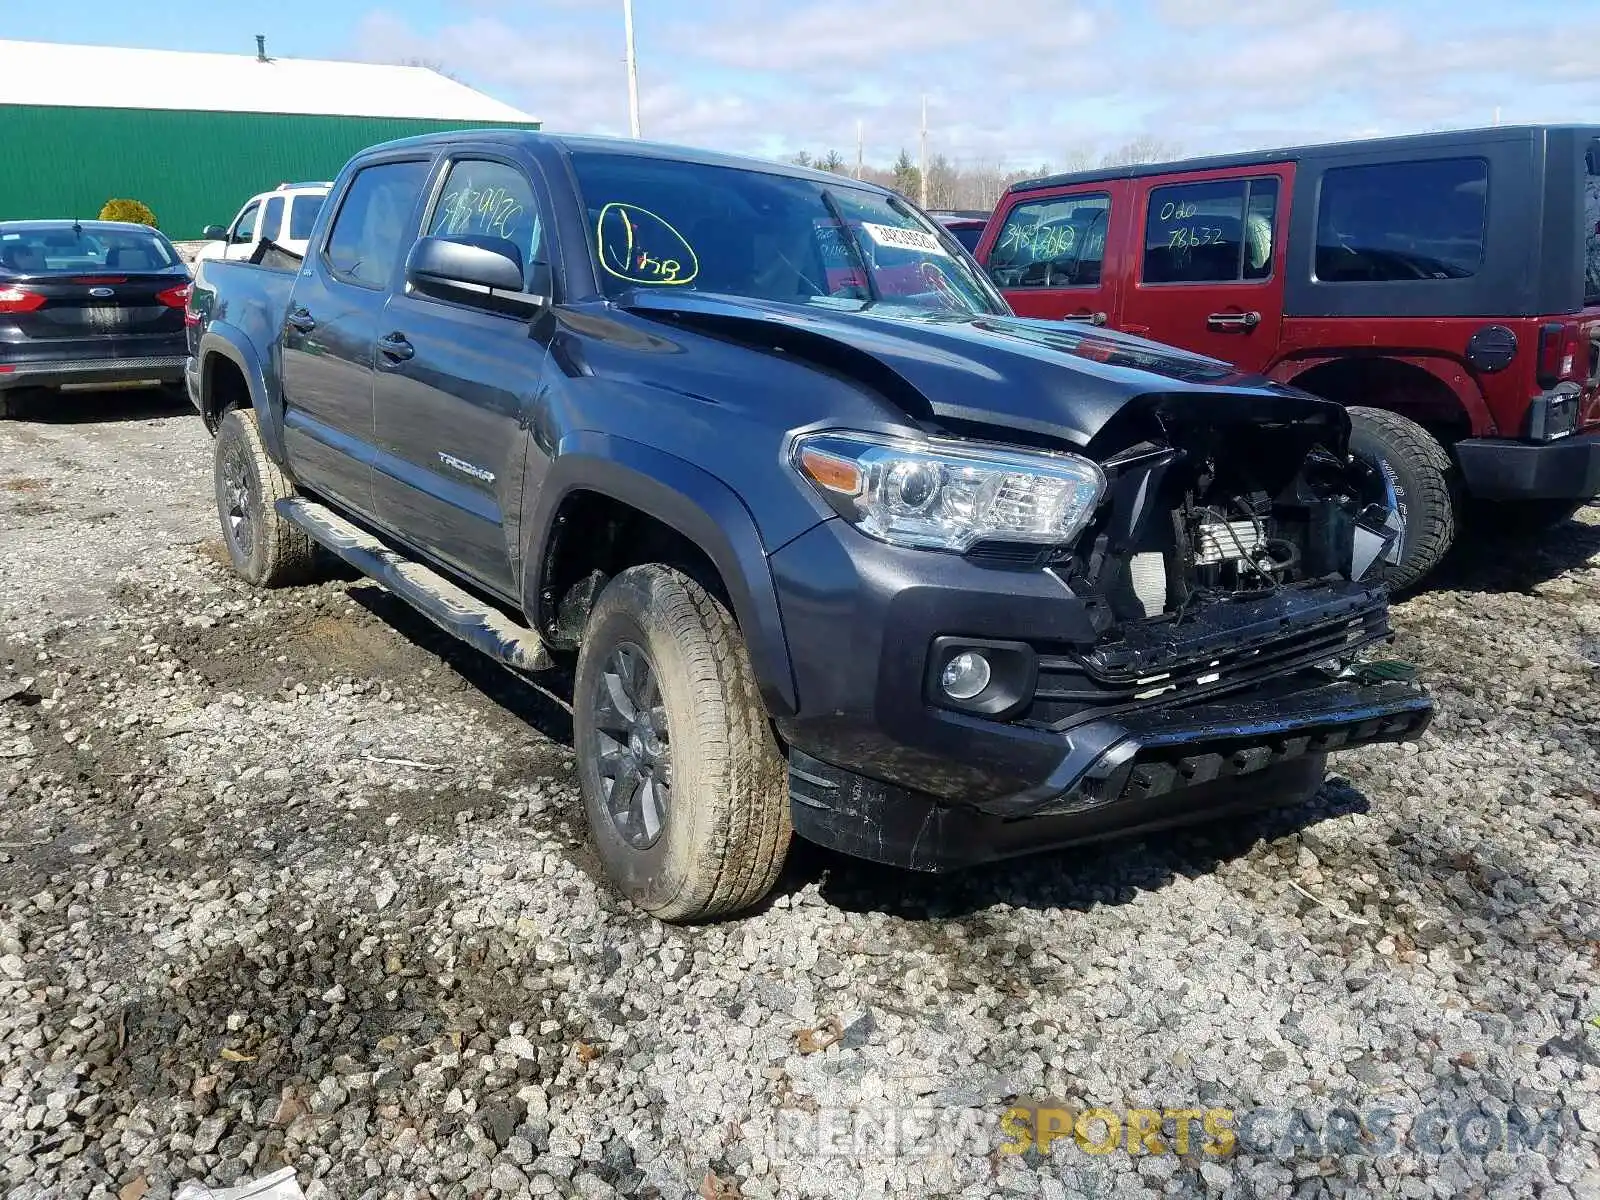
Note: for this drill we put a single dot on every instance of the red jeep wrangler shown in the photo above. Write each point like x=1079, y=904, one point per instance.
x=1445, y=287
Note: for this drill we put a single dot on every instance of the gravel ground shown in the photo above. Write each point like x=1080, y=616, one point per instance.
x=288, y=878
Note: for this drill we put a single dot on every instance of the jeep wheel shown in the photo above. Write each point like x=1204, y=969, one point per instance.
x=265, y=549
x=1420, y=472
x=684, y=787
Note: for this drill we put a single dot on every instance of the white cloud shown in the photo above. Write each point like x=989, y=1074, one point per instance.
x=1015, y=82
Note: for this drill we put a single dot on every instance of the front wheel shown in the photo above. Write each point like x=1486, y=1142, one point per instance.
x=265, y=549
x=684, y=787
x=1420, y=471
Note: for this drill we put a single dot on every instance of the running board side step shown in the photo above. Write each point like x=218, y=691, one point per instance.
x=453, y=609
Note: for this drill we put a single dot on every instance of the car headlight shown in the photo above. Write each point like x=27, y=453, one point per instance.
x=950, y=495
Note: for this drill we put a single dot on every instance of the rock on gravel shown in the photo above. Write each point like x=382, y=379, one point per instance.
x=286, y=878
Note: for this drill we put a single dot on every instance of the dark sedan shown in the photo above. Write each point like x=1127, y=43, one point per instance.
x=89, y=305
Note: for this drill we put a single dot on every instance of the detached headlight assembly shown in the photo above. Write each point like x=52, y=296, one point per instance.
x=950, y=495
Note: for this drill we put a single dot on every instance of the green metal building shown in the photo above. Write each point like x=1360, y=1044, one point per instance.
x=196, y=135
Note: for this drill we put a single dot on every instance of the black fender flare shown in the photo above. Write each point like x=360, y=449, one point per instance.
x=223, y=339
x=695, y=504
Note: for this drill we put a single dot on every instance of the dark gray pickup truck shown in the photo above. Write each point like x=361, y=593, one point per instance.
x=840, y=546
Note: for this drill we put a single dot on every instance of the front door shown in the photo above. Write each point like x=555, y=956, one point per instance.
x=455, y=383
x=1210, y=262
x=330, y=331
x=1055, y=253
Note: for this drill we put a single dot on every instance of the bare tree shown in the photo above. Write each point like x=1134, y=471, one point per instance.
x=432, y=64
x=832, y=161
x=1143, y=149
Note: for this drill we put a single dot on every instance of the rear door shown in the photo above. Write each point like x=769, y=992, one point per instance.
x=1209, y=261
x=1055, y=253
x=454, y=382
x=331, y=328
x=94, y=293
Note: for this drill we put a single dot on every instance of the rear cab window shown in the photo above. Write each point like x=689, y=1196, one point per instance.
x=1211, y=231
x=1391, y=222
x=1058, y=242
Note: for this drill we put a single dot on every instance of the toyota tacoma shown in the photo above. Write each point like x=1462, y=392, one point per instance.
x=838, y=545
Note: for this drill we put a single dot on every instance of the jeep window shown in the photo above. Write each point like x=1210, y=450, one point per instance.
x=1216, y=232
x=740, y=232
x=373, y=229
x=1056, y=243
x=1591, y=224
x=484, y=199
x=273, y=220
x=1398, y=221
x=303, y=212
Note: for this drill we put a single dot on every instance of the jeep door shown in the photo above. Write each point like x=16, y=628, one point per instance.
x=1208, y=261
x=331, y=328
x=1056, y=253
x=457, y=374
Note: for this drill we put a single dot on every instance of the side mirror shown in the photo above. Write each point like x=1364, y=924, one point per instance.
x=486, y=271
x=213, y=233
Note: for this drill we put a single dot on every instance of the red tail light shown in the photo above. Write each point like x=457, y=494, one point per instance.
x=1558, y=354
x=175, y=297
x=15, y=299
x=91, y=280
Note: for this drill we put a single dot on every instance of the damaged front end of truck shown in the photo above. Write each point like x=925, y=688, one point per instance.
x=1229, y=632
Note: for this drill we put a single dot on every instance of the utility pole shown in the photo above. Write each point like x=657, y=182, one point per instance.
x=1497, y=114
x=861, y=146
x=922, y=171
x=633, y=69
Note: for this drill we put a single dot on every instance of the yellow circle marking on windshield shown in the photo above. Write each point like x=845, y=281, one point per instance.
x=643, y=247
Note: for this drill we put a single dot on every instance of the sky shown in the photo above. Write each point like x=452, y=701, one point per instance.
x=1009, y=83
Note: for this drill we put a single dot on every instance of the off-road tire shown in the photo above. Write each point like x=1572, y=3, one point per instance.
x=1423, y=479
x=265, y=549
x=726, y=828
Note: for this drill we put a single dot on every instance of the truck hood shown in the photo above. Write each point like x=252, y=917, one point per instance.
x=1052, y=379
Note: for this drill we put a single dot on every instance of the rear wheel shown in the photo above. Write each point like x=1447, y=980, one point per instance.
x=265, y=549
x=1420, y=472
x=684, y=787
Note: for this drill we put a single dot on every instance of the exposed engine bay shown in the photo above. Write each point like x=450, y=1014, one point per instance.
x=1233, y=511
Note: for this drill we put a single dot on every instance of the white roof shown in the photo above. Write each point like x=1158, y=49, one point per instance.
x=54, y=74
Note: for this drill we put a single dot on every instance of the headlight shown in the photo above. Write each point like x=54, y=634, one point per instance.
x=947, y=494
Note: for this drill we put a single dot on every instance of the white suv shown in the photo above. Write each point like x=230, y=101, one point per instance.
x=284, y=215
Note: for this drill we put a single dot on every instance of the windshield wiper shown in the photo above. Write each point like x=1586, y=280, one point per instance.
x=849, y=239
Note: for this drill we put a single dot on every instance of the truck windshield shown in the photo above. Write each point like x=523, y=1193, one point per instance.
x=662, y=223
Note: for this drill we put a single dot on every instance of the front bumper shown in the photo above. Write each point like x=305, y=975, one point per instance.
x=1500, y=469
x=879, y=770
x=93, y=372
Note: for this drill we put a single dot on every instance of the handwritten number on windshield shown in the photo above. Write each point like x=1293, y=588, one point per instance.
x=643, y=247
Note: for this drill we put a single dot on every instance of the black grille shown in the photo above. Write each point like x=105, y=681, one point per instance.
x=1158, y=664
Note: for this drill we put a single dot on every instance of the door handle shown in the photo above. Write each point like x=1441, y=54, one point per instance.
x=1244, y=321
x=1093, y=318
x=396, y=347
x=301, y=319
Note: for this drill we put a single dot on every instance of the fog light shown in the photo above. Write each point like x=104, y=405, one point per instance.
x=965, y=676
